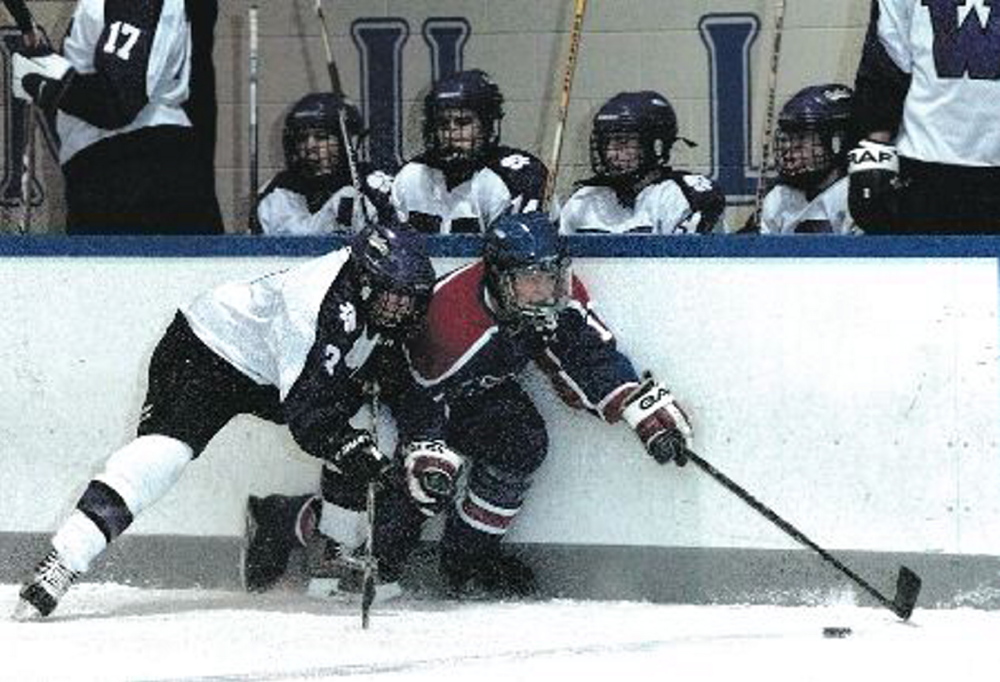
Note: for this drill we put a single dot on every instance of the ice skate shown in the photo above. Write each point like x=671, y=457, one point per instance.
x=40, y=595
x=275, y=525
x=338, y=575
x=487, y=573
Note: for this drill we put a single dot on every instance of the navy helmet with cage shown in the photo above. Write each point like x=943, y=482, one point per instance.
x=472, y=90
x=812, y=134
x=645, y=117
x=311, y=136
x=528, y=270
x=395, y=276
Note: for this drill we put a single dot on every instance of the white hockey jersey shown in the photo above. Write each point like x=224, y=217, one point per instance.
x=141, y=52
x=951, y=50
x=284, y=209
x=509, y=179
x=786, y=210
x=265, y=327
x=683, y=203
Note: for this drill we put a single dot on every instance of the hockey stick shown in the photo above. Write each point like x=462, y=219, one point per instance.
x=563, y=111
x=907, y=582
x=359, y=215
x=772, y=91
x=370, y=562
x=27, y=169
x=254, y=222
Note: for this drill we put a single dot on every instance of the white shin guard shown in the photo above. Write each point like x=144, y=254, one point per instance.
x=144, y=470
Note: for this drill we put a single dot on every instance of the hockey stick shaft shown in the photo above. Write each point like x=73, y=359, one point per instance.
x=564, y=99
x=27, y=169
x=370, y=577
x=360, y=215
x=907, y=583
x=254, y=72
x=772, y=93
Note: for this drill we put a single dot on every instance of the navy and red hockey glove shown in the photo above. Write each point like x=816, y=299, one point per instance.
x=659, y=422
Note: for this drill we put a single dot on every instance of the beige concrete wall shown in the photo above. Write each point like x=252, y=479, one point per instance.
x=627, y=44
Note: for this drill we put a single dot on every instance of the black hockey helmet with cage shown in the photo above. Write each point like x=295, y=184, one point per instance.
x=646, y=114
x=812, y=134
x=318, y=114
x=395, y=276
x=526, y=243
x=473, y=90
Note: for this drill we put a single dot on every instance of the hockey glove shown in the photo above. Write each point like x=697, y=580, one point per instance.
x=432, y=470
x=659, y=422
x=357, y=457
x=873, y=183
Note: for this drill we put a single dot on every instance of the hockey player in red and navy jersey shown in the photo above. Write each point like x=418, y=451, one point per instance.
x=465, y=178
x=487, y=321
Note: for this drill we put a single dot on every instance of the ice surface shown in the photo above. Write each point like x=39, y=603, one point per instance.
x=111, y=632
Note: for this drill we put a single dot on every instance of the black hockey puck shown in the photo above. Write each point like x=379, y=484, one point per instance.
x=837, y=632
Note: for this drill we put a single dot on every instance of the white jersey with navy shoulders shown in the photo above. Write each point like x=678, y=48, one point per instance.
x=284, y=207
x=680, y=203
x=787, y=210
x=135, y=53
x=509, y=179
x=949, y=51
x=266, y=327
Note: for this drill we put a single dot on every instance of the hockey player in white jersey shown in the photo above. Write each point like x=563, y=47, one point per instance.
x=465, y=178
x=129, y=156
x=925, y=104
x=811, y=151
x=298, y=347
x=313, y=195
x=634, y=189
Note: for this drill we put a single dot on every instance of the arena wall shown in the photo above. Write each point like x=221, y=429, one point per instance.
x=851, y=385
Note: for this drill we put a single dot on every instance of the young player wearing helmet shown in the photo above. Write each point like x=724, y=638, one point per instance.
x=296, y=347
x=634, y=189
x=465, y=178
x=520, y=303
x=811, y=152
x=313, y=195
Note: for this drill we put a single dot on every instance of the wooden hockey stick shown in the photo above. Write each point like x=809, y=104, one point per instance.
x=772, y=92
x=359, y=215
x=907, y=582
x=27, y=169
x=563, y=111
x=254, y=71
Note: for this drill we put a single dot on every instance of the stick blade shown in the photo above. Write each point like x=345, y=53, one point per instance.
x=367, y=595
x=908, y=586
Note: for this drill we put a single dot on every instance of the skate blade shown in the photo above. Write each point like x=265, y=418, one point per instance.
x=329, y=588
x=25, y=612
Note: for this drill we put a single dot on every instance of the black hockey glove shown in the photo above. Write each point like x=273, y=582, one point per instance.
x=873, y=185
x=432, y=470
x=659, y=422
x=41, y=77
x=356, y=456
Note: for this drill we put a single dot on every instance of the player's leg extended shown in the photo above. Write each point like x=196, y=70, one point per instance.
x=192, y=393
x=505, y=437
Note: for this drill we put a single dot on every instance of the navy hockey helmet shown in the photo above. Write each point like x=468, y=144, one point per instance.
x=449, y=135
x=527, y=269
x=811, y=140
x=632, y=133
x=395, y=276
x=311, y=137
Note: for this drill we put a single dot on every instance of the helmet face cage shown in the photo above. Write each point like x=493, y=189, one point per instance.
x=396, y=277
x=811, y=138
x=527, y=271
x=317, y=151
x=534, y=294
x=311, y=138
x=631, y=135
x=806, y=156
x=462, y=114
